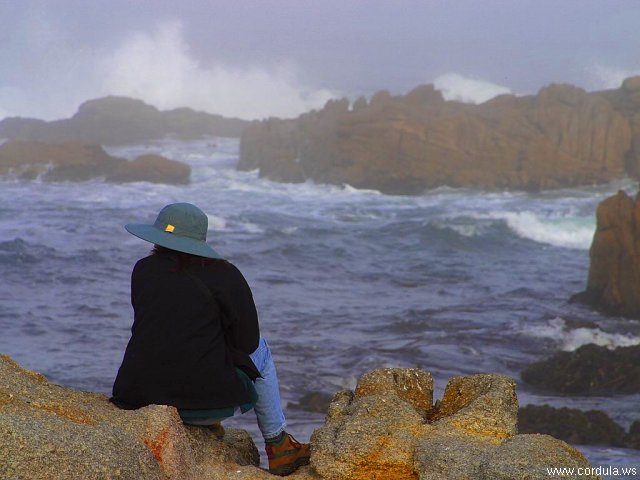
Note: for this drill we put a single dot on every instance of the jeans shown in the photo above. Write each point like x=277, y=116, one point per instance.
x=268, y=408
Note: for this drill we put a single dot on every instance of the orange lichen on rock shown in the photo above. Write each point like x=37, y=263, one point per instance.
x=158, y=444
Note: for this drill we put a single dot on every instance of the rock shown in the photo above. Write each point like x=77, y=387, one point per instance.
x=121, y=121
x=152, y=168
x=425, y=96
x=592, y=427
x=529, y=457
x=381, y=432
x=633, y=437
x=589, y=370
x=35, y=444
x=614, y=272
x=410, y=384
x=451, y=455
x=48, y=431
x=369, y=437
x=359, y=104
x=69, y=161
x=479, y=405
x=631, y=84
x=561, y=137
x=73, y=161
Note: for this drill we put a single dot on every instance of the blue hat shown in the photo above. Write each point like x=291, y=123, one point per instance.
x=179, y=226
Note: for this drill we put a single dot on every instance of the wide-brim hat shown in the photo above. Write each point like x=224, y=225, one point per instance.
x=179, y=226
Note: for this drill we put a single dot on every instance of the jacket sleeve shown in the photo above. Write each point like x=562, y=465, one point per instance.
x=242, y=329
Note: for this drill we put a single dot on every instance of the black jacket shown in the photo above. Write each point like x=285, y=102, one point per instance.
x=184, y=347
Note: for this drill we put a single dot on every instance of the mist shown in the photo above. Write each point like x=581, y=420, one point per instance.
x=254, y=60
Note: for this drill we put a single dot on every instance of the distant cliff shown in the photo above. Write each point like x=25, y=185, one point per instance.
x=122, y=121
x=561, y=137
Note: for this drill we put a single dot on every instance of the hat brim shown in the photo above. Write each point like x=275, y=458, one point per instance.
x=151, y=234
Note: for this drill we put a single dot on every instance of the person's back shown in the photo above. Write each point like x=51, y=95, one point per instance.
x=178, y=338
x=195, y=341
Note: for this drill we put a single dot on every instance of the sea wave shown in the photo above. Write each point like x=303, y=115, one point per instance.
x=570, y=339
x=463, y=228
x=216, y=222
x=558, y=231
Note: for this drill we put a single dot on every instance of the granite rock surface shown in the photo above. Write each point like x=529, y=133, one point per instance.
x=386, y=429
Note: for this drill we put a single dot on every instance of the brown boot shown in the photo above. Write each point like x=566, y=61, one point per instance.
x=286, y=455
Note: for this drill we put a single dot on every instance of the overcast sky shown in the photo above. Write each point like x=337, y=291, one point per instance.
x=264, y=57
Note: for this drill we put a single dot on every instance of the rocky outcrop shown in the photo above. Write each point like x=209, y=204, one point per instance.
x=121, y=121
x=69, y=161
x=592, y=427
x=589, y=370
x=48, y=431
x=151, y=168
x=561, y=137
x=633, y=437
x=74, y=161
x=386, y=429
x=614, y=271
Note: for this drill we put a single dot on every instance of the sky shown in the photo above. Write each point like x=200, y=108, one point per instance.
x=260, y=58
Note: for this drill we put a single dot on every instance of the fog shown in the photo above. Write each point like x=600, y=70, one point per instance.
x=253, y=59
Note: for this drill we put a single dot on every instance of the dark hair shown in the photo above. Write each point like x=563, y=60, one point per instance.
x=183, y=260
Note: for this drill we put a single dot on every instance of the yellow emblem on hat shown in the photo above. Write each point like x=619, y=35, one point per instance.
x=170, y=228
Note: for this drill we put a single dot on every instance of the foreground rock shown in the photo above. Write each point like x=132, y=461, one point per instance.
x=384, y=431
x=387, y=429
x=561, y=137
x=47, y=431
x=74, y=161
x=614, y=272
x=589, y=370
x=121, y=121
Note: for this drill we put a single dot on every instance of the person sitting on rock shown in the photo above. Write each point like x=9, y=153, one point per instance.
x=195, y=341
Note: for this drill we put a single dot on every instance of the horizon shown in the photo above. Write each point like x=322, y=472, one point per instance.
x=253, y=60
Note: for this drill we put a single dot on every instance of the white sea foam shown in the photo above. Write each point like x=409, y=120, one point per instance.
x=143, y=59
x=250, y=227
x=349, y=189
x=602, y=76
x=568, y=232
x=570, y=339
x=465, y=229
x=468, y=90
x=216, y=222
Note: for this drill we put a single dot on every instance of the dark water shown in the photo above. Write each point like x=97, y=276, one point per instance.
x=454, y=281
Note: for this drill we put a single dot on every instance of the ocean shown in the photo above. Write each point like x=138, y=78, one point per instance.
x=455, y=281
